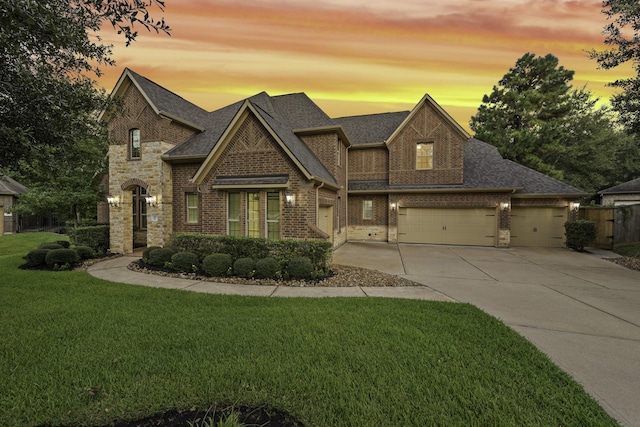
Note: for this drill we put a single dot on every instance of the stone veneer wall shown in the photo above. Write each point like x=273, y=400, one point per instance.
x=149, y=172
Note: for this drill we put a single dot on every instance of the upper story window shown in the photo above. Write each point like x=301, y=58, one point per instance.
x=424, y=155
x=339, y=148
x=134, y=143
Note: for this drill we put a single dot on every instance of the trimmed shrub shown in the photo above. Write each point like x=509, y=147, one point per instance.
x=579, y=233
x=244, y=267
x=159, y=257
x=36, y=258
x=60, y=259
x=300, y=268
x=85, y=252
x=266, y=268
x=217, y=264
x=64, y=243
x=185, y=262
x=147, y=251
x=50, y=245
x=96, y=237
x=319, y=252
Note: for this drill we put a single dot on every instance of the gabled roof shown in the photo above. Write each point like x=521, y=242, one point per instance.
x=162, y=101
x=628, y=187
x=371, y=128
x=11, y=187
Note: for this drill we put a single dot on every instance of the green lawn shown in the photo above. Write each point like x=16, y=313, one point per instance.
x=78, y=350
x=631, y=250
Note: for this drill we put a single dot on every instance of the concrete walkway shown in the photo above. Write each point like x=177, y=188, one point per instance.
x=579, y=309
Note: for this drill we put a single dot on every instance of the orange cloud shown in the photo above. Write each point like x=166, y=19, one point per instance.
x=360, y=57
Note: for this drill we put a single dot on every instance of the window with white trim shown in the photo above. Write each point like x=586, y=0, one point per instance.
x=367, y=209
x=273, y=215
x=192, y=208
x=233, y=214
x=134, y=144
x=253, y=214
x=424, y=155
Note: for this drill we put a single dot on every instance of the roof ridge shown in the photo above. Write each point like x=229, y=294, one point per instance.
x=140, y=76
x=373, y=114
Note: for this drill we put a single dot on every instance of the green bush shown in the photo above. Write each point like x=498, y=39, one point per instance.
x=147, y=251
x=159, y=257
x=244, y=267
x=50, y=245
x=96, y=237
x=185, y=262
x=64, y=243
x=85, y=252
x=579, y=233
x=36, y=258
x=267, y=268
x=61, y=259
x=217, y=264
x=300, y=268
x=319, y=252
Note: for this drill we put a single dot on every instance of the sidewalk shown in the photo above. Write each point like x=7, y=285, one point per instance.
x=115, y=270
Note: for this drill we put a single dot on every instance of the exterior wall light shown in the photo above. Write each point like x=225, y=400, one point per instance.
x=504, y=206
x=288, y=195
x=151, y=200
x=574, y=206
x=114, y=201
x=393, y=206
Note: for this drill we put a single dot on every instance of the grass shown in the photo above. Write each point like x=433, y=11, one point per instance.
x=631, y=250
x=78, y=350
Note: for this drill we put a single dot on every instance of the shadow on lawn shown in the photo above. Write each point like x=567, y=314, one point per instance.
x=247, y=417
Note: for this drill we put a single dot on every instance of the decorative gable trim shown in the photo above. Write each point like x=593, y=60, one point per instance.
x=124, y=82
x=242, y=114
x=426, y=99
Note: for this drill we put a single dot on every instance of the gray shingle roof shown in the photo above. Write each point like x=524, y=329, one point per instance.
x=371, y=128
x=11, y=187
x=632, y=186
x=168, y=102
x=484, y=168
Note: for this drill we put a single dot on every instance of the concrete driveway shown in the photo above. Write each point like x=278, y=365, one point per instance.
x=581, y=310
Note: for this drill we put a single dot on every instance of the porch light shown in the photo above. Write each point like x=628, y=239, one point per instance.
x=393, y=206
x=504, y=206
x=574, y=206
x=151, y=200
x=113, y=201
x=288, y=195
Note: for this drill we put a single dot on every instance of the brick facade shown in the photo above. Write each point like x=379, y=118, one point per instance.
x=427, y=125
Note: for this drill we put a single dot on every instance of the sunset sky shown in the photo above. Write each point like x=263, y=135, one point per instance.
x=361, y=56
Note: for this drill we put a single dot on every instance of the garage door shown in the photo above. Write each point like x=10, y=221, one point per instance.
x=538, y=226
x=447, y=226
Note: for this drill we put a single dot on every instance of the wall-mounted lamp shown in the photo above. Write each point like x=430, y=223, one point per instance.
x=113, y=201
x=574, y=206
x=504, y=206
x=288, y=195
x=393, y=206
x=151, y=200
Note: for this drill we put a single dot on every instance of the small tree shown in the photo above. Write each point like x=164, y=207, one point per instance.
x=579, y=234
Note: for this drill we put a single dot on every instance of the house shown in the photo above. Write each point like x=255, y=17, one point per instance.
x=279, y=167
x=10, y=189
x=627, y=193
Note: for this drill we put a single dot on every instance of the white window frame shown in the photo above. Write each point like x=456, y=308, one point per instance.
x=367, y=209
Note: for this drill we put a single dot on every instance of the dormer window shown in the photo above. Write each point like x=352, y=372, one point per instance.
x=424, y=155
x=134, y=143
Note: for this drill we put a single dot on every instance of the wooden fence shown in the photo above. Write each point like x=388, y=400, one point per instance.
x=615, y=226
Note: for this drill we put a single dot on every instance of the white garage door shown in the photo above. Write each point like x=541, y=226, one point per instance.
x=448, y=226
x=538, y=227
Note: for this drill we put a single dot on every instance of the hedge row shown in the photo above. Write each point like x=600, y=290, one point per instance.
x=579, y=233
x=94, y=237
x=221, y=264
x=318, y=252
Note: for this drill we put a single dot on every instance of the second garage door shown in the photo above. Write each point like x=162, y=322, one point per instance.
x=538, y=226
x=448, y=226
